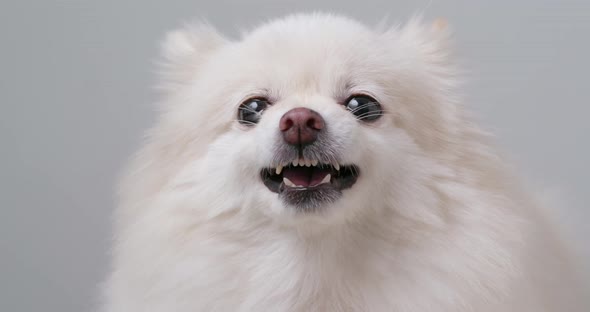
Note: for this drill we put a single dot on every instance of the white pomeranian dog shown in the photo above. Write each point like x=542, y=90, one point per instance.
x=318, y=164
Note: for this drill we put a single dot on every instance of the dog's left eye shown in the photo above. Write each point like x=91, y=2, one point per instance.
x=364, y=107
x=250, y=111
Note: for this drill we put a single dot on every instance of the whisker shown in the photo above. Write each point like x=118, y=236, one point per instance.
x=248, y=109
x=244, y=122
x=371, y=114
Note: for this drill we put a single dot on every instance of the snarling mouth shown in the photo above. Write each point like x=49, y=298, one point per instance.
x=307, y=184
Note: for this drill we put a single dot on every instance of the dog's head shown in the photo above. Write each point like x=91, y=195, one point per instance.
x=309, y=117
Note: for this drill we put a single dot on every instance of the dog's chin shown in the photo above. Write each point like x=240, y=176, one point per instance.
x=309, y=187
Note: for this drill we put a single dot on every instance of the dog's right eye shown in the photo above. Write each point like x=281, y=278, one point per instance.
x=250, y=111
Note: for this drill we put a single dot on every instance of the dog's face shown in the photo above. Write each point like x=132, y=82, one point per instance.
x=308, y=118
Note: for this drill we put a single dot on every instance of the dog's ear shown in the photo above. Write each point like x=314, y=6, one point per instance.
x=430, y=80
x=184, y=51
x=432, y=41
x=440, y=24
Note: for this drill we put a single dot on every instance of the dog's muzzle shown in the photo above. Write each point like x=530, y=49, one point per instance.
x=307, y=174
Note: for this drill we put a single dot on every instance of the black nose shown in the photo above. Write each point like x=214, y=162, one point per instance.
x=300, y=126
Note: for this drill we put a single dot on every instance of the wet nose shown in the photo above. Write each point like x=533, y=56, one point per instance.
x=300, y=126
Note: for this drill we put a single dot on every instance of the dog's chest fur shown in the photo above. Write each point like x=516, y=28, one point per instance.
x=359, y=269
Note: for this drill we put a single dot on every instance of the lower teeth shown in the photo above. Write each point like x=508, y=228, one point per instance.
x=290, y=183
x=326, y=179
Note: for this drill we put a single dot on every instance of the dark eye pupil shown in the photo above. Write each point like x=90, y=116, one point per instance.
x=364, y=108
x=250, y=111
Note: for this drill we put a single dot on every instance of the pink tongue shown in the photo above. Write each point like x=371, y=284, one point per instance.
x=305, y=176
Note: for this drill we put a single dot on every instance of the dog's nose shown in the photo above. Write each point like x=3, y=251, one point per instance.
x=300, y=126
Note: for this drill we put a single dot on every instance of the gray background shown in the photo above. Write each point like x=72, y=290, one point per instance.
x=76, y=92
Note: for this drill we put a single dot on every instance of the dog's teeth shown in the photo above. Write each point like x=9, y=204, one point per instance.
x=326, y=179
x=337, y=166
x=307, y=163
x=279, y=169
x=295, y=162
x=288, y=182
x=314, y=162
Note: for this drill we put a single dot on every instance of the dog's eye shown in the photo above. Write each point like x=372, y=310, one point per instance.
x=250, y=111
x=364, y=107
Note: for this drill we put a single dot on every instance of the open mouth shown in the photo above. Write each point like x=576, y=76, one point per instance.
x=307, y=184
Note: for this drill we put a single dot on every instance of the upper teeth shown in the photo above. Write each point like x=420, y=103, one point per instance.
x=305, y=162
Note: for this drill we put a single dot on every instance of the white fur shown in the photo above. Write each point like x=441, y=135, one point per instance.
x=434, y=222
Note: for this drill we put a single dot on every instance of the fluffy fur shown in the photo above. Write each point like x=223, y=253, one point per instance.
x=434, y=222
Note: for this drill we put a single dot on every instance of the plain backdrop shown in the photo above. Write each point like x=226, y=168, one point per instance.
x=76, y=93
